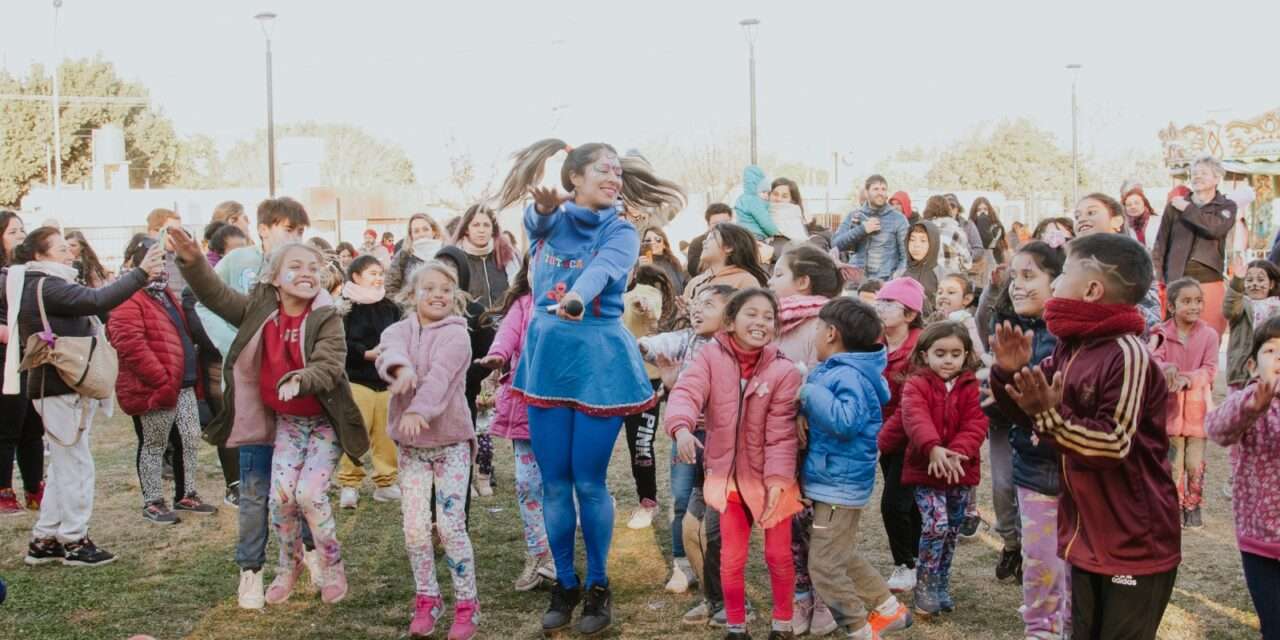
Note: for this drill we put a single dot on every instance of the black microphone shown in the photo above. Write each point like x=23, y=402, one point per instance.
x=573, y=308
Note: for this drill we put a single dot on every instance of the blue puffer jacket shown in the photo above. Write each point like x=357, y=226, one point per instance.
x=1036, y=463
x=883, y=254
x=842, y=400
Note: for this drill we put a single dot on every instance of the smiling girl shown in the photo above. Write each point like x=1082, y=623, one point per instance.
x=1252, y=298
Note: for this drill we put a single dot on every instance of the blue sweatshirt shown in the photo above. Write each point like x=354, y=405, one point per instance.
x=842, y=400
x=606, y=245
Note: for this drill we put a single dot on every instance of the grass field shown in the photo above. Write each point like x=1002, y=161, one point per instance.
x=180, y=582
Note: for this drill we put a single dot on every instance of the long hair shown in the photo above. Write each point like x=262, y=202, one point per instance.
x=37, y=242
x=640, y=187
x=1048, y=259
x=91, y=269
x=792, y=188
x=936, y=207
x=668, y=255
x=671, y=317
x=824, y=276
x=136, y=250
x=276, y=261
x=741, y=250
x=519, y=287
x=502, y=248
x=6, y=217
x=987, y=227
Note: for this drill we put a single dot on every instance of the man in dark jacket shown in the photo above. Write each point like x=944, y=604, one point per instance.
x=716, y=213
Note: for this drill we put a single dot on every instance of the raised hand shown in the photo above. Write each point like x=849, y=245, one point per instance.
x=153, y=261
x=184, y=246
x=547, y=199
x=1033, y=392
x=1011, y=347
x=1263, y=392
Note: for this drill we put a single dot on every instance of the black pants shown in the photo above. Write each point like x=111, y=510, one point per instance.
x=1118, y=607
x=20, y=436
x=898, y=509
x=641, y=430
x=1263, y=577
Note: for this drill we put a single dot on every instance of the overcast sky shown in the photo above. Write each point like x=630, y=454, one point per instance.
x=862, y=78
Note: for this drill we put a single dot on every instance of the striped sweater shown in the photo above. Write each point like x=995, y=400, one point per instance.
x=1118, y=513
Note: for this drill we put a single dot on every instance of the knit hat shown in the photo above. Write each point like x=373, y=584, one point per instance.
x=905, y=291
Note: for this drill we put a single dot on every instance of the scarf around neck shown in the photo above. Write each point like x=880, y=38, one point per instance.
x=1072, y=319
x=55, y=269
x=362, y=294
x=747, y=360
x=793, y=311
x=475, y=249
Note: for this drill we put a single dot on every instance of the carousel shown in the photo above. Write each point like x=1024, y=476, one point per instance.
x=1250, y=151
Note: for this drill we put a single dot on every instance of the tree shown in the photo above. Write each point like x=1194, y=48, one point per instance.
x=352, y=158
x=1016, y=158
x=26, y=128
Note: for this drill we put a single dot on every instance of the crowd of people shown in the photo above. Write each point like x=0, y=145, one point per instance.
x=786, y=361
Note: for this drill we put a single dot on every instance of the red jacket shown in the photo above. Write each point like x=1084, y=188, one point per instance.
x=933, y=416
x=751, y=428
x=150, y=351
x=895, y=373
x=1118, y=513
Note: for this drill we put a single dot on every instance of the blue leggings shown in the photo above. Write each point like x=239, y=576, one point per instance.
x=573, y=451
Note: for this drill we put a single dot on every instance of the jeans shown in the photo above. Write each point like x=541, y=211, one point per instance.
x=1003, y=493
x=702, y=541
x=255, y=489
x=573, y=451
x=1262, y=575
x=683, y=477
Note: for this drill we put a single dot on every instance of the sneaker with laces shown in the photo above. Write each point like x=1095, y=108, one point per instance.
x=802, y=614
x=534, y=572
x=642, y=517
x=720, y=618
x=9, y=503
x=864, y=633
x=315, y=567
x=390, y=493
x=466, y=619
x=681, y=576
x=822, y=622
x=232, y=497
x=35, y=498
x=44, y=550
x=158, y=513
x=897, y=620
x=335, y=584
x=699, y=614
x=426, y=610
x=349, y=498
x=969, y=528
x=194, y=505
x=282, y=586
x=559, y=613
x=84, y=553
x=597, y=611
x=1010, y=564
x=250, y=595
x=903, y=579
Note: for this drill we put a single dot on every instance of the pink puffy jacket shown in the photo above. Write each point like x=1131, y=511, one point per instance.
x=510, y=413
x=751, y=429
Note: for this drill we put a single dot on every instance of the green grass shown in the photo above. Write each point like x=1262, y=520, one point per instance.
x=181, y=581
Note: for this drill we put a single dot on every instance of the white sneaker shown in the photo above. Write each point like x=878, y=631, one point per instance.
x=349, y=497
x=314, y=567
x=681, y=576
x=822, y=622
x=903, y=579
x=536, y=569
x=642, y=517
x=387, y=494
x=251, y=591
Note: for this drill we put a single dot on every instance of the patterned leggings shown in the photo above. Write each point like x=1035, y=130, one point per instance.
x=484, y=454
x=1046, y=584
x=446, y=470
x=306, y=453
x=529, y=497
x=154, y=437
x=1187, y=453
x=941, y=514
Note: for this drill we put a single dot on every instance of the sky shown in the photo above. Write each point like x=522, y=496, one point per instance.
x=858, y=78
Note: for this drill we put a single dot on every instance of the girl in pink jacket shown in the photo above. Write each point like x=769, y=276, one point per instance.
x=1186, y=348
x=749, y=393
x=511, y=421
x=425, y=359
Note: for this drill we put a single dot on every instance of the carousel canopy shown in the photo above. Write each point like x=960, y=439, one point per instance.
x=1245, y=146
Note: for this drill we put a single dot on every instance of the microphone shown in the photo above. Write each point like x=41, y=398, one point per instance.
x=573, y=308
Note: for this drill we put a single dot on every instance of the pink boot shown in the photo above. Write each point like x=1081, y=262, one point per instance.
x=425, y=611
x=335, y=584
x=282, y=587
x=466, y=617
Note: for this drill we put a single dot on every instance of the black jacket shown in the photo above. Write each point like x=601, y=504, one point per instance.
x=68, y=306
x=364, y=324
x=1198, y=234
x=488, y=280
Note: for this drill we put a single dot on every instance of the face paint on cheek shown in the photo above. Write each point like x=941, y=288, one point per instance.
x=290, y=276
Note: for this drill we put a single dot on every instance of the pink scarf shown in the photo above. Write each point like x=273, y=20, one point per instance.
x=361, y=294
x=795, y=310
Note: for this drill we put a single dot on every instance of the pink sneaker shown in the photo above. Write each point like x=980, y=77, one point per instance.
x=466, y=617
x=9, y=503
x=335, y=584
x=425, y=611
x=282, y=586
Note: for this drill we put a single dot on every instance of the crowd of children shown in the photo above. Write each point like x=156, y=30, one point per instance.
x=782, y=397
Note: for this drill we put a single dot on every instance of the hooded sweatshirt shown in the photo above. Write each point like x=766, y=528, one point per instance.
x=439, y=354
x=925, y=271
x=905, y=200
x=752, y=211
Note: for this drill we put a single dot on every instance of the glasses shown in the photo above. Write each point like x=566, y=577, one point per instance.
x=887, y=305
x=615, y=169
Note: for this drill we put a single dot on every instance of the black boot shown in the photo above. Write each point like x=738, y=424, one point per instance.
x=780, y=635
x=560, y=613
x=1193, y=518
x=597, y=611
x=737, y=635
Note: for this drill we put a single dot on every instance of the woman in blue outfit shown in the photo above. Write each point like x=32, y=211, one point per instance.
x=581, y=372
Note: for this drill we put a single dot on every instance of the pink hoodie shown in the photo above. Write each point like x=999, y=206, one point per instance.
x=439, y=353
x=751, y=427
x=510, y=413
x=1197, y=359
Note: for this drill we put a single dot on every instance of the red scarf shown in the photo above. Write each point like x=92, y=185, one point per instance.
x=747, y=360
x=795, y=310
x=1070, y=319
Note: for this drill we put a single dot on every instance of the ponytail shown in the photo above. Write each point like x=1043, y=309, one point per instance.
x=640, y=187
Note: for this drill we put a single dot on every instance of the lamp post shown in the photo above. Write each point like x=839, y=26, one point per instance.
x=57, y=126
x=1075, y=136
x=266, y=20
x=749, y=29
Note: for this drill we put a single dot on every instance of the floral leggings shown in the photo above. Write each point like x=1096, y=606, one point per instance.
x=529, y=497
x=444, y=470
x=941, y=514
x=306, y=454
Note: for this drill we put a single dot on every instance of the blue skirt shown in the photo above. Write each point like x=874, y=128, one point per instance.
x=592, y=366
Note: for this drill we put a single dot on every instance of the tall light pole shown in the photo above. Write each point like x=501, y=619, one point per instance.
x=266, y=20
x=749, y=28
x=57, y=125
x=1075, y=136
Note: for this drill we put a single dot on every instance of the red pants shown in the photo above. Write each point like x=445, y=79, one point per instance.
x=735, y=536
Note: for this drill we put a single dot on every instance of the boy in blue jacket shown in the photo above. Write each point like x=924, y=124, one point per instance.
x=841, y=402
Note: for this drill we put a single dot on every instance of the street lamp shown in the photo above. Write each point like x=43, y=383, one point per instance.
x=57, y=125
x=266, y=20
x=1075, y=136
x=749, y=28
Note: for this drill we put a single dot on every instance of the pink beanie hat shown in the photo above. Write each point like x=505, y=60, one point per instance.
x=905, y=291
